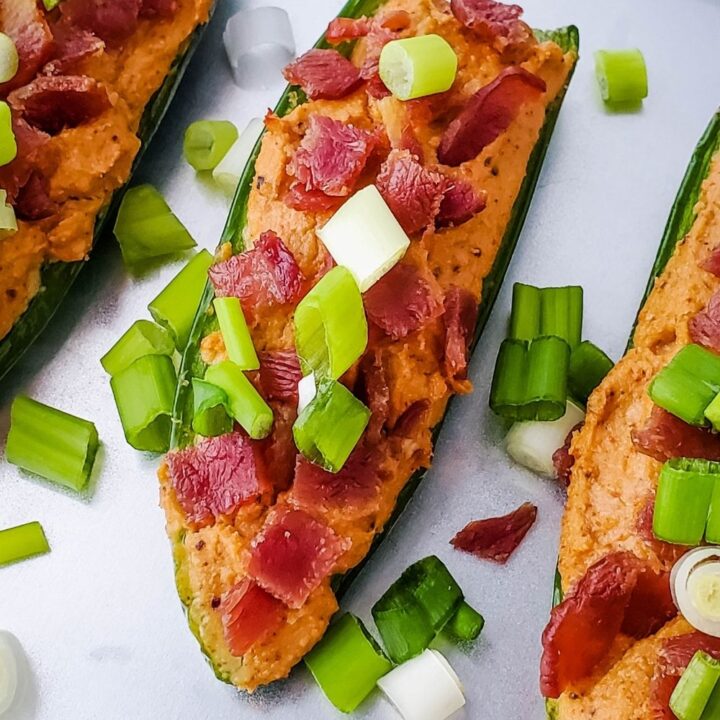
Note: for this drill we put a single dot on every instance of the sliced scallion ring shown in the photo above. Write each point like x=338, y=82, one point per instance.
x=9, y=59
x=8, y=221
x=9, y=671
x=695, y=584
x=588, y=367
x=210, y=417
x=22, y=542
x=306, y=391
x=622, y=76
x=207, y=142
x=8, y=144
x=235, y=333
x=142, y=338
x=466, y=624
x=229, y=170
x=696, y=689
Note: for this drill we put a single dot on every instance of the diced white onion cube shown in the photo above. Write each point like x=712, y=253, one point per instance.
x=306, y=391
x=424, y=688
x=8, y=672
x=364, y=236
x=229, y=170
x=532, y=443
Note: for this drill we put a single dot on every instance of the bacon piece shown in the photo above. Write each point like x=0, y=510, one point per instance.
x=280, y=374
x=563, y=459
x=343, y=29
x=487, y=114
x=72, y=46
x=385, y=27
x=33, y=199
x=23, y=21
x=619, y=593
x=375, y=392
x=712, y=262
x=112, y=20
x=293, y=554
x=675, y=656
x=331, y=156
x=265, y=275
x=323, y=74
x=402, y=301
x=163, y=9
x=460, y=203
x=249, y=616
x=705, y=326
x=217, y=476
x=278, y=448
x=665, y=437
x=298, y=198
x=496, y=538
x=15, y=175
x=354, y=489
x=460, y=318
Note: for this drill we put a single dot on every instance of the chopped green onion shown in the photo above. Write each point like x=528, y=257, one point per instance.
x=142, y=338
x=712, y=412
x=144, y=394
x=51, y=443
x=22, y=542
x=51, y=4
x=328, y=429
x=434, y=588
x=682, y=502
x=712, y=529
x=525, y=317
x=244, y=402
x=229, y=170
x=695, y=584
x=210, y=417
x=687, y=384
x=554, y=311
x=306, y=391
x=530, y=380
x=331, y=330
x=235, y=333
x=8, y=221
x=365, y=237
x=692, y=693
x=8, y=144
x=418, y=66
x=347, y=663
x=588, y=367
x=175, y=307
x=466, y=624
x=207, y=142
x=9, y=60
x=12, y=674
x=146, y=227
x=622, y=76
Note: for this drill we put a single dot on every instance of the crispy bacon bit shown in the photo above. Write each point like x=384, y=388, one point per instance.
x=164, y=9
x=265, y=275
x=293, y=554
x=375, y=392
x=665, y=437
x=249, y=616
x=712, y=262
x=33, y=200
x=384, y=28
x=280, y=374
x=343, y=29
x=563, y=459
x=487, y=114
x=459, y=317
x=376, y=88
x=15, y=175
x=217, y=476
x=402, y=301
x=278, y=448
x=496, y=538
x=298, y=198
x=617, y=593
x=112, y=20
x=460, y=203
x=705, y=326
x=23, y=21
x=51, y=103
x=323, y=74
x=331, y=156
x=72, y=46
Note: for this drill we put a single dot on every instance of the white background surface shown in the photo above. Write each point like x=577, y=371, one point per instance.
x=99, y=616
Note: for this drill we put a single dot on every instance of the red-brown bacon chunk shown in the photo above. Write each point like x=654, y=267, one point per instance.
x=323, y=74
x=52, y=103
x=384, y=27
x=293, y=554
x=33, y=199
x=217, y=476
x=163, y=9
x=72, y=46
x=263, y=276
x=665, y=437
x=15, y=175
x=460, y=318
x=280, y=374
x=112, y=20
x=460, y=203
x=298, y=198
x=487, y=114
x=705, y=326
x=563, y=459
x=343, y=29
x=496, y=538
x=619, y=593
x=402, y=301
x=374, y=391
x=712, y=262
x=23, y=21
x=249, y=616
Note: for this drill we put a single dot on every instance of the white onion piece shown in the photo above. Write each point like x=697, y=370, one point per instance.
x=424, y=688
x=695, y=583
x=259, y=43
x=364, y=236
x=306, y=391
x=9, y=59
x=532, y=443
x=229, y=170
x=9, y=671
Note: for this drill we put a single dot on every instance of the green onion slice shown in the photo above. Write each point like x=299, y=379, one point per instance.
x=466, y=624
x=622, y=76
x=330, y=426
x=207, y=142
x=142, y=338
x=8, y=145
x=22, y=542
x=712, y=412
x=588, y=367
x=11, y=675
x=695, y=584
x=695, y=688
x=9, y=60
x=175, y=307
x=418, y=66
x=244, y=402
x=146, y=227
x=331, y=330
x=682, y=502
x=229, y=170
x=688, y=384
x=8, y=221
x=347, y=663
x=210, y=416
x=51, y=443
x=235, y=333
x=144, y=394
x=712, y=529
